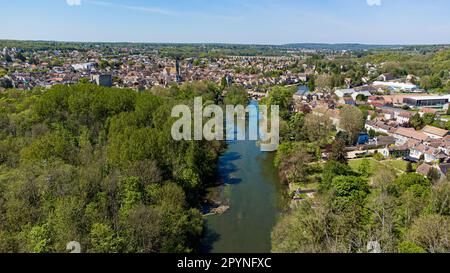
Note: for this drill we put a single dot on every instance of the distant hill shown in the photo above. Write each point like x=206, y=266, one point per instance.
x=339, y=47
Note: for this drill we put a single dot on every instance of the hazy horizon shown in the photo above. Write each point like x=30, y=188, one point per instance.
x=220, y=43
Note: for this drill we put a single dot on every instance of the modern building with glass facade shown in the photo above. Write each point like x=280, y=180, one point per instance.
x=427, y=101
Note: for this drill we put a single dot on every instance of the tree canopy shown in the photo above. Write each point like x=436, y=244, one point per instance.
x=99, y=166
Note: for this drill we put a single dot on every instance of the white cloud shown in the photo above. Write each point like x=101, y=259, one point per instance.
x=374, y=2
x=73, y=2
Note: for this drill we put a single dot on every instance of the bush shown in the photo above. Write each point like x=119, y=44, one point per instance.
x=378, y=157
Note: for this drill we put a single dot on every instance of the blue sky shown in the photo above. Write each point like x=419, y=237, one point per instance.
x=229, y=21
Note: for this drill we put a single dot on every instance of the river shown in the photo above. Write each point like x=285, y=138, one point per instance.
x=255, y=196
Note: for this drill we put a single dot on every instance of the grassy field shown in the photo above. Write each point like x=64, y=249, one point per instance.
x=446, y=117
x=356, y=163
x=398, y=165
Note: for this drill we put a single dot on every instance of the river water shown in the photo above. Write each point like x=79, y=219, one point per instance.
x=255, y=196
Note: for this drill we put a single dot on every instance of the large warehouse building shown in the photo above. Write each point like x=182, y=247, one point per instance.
x=427, y=101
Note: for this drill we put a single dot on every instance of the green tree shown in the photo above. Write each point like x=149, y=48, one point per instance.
x=364, y=167
x=333, y=169
x=349, y=190
x=103, y=64
x=428, y=118
x=412, y=180
x=417, y=122
x=318, y=128
x=311, y=83
x=236, y=95
x=104, y=239
x=352, y=121
x=39, y=240
x=83, y=80
x=338, y=152
x=410, y=247
x=282, y=97
x=293, y=166
x=224, y=82
x=431, y=232
x=296, y=129
x=431, y=82
x=94, y=165
x=21, y=57
x=440, y=199
x=409, y=167
x=58, y=145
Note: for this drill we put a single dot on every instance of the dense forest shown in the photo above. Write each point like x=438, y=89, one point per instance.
x=99, y=166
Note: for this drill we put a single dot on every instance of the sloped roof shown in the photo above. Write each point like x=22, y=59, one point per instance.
x=435, y=131
x=411, y=133
x=424, y=169
x=428, y=110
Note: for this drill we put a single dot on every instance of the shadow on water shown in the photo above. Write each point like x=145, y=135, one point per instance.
x=209, y=237
x=228, y=168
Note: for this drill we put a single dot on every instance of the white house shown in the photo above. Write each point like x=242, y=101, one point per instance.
x=434, y=132
x=84, y=66
x=402, y=135
x=377, y=126
x=397, y=85
x=428, y=153
x=403, y=118
x=341, y=93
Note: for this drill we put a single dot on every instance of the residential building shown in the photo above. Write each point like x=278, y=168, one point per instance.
x=442, y=170
x=434, y=132
x=404, y=117
x=427, y=153
x=103, y=80
x=377, y=126
x=397, y=86
x=341, y=93
x=402, y=135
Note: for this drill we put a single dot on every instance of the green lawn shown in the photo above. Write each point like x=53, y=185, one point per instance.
x=356, y=163
x=398, y=165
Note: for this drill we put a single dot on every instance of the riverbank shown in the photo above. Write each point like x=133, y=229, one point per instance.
x=214, y=202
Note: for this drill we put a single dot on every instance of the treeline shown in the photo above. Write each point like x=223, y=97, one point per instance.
x=432, y=69
x=99, y=166
x=169, y=50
